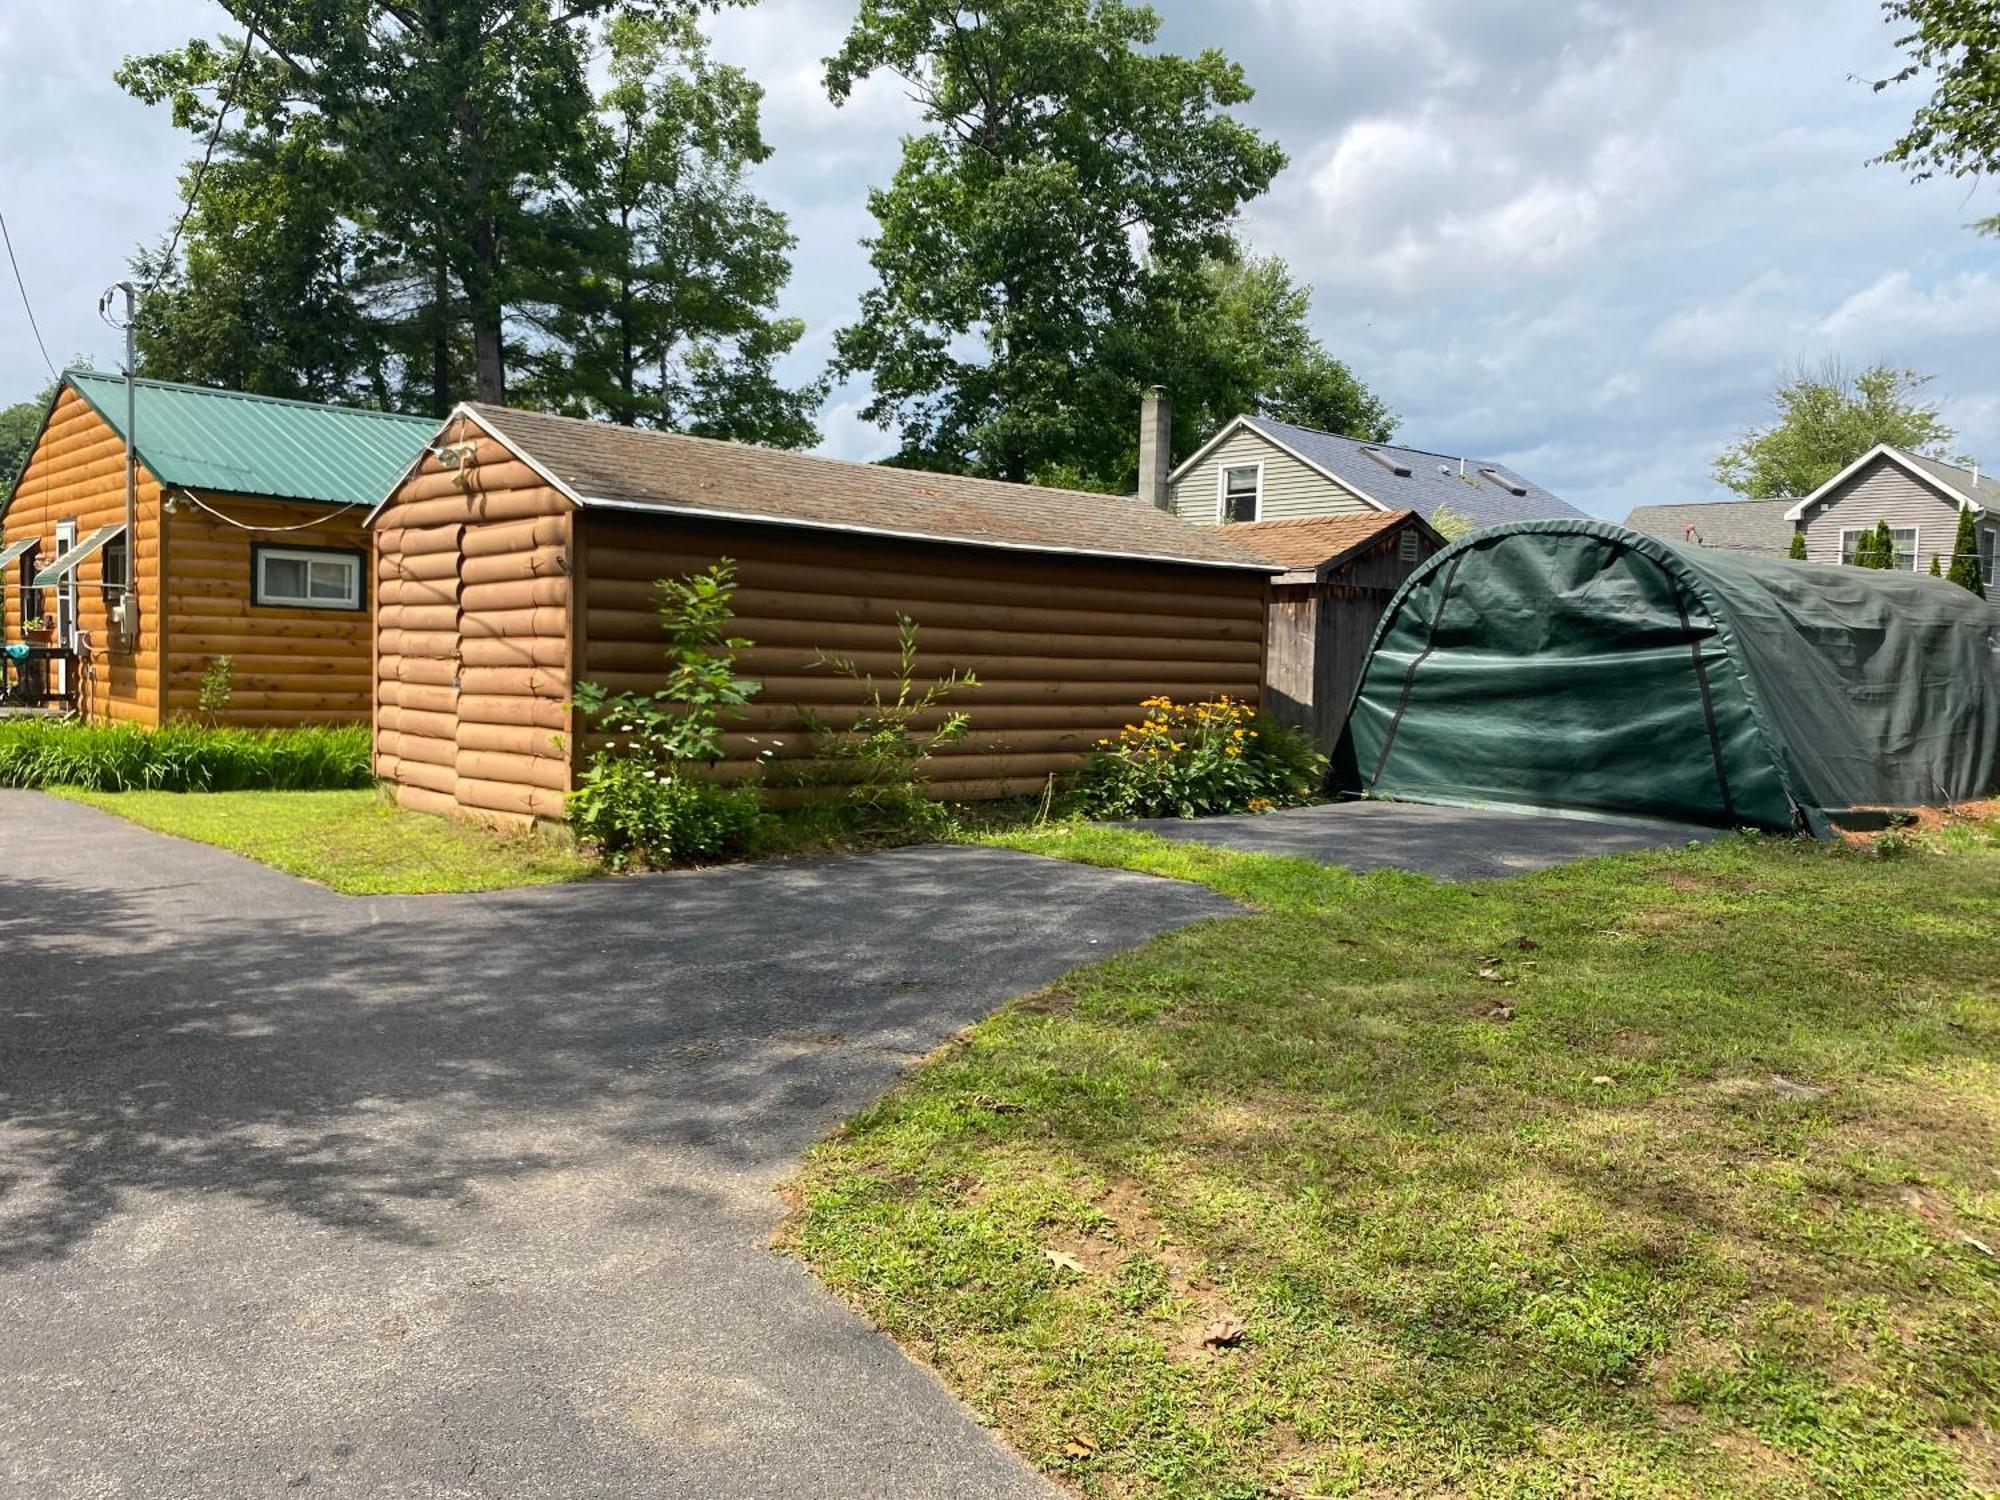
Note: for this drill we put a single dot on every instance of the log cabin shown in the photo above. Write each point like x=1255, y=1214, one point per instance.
x=250, y=545
x=519, y=557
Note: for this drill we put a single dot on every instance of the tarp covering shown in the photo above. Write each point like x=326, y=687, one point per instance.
x=1577, y=665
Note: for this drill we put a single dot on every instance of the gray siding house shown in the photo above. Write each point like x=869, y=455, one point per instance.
x=1257, y=469
x=1920, y=498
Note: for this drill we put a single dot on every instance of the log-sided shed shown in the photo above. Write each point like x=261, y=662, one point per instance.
x=1578, y=665
x=518, y=557
x=1340, y=573
x=251, y=546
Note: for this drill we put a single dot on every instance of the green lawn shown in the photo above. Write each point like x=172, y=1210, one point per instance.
x=356, y=842
x=1670, y=1175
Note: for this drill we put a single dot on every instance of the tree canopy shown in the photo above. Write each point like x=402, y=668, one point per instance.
x=1826, y=419
x=1956, y=130
x=1060, y=237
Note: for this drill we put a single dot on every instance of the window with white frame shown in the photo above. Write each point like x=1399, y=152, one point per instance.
x=1905, y=538
x=1986, y=550
x=1242, y=491
x=306, y=577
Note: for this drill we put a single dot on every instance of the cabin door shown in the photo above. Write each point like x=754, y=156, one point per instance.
x=66, y=600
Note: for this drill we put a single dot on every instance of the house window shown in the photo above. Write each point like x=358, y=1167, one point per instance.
x=1986, y=537
x=113, y=559
x=306, y=577
x=1242, y=487
x=31, y=597
x=1905, y=538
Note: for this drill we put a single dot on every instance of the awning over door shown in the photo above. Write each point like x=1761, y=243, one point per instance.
x=8, y=554
x=67, y=561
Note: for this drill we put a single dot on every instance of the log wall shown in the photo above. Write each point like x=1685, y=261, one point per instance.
x=288, y=666
x=77, y=471
x=1065, y=647
x=472, y=638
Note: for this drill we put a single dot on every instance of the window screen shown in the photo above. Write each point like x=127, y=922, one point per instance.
x=307, y=578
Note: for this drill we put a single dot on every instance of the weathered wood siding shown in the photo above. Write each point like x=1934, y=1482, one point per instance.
x=77, y=472
x=472, y=637
x=1883, y=492
x=287, y=666
x=1065, y=647
x=1291, y=488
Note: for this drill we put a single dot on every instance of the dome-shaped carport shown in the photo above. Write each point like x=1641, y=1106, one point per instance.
x=1577, y=665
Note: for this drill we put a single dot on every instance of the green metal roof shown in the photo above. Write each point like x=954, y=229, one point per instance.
x=204, y=439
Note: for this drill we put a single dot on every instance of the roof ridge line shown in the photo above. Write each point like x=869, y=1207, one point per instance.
x=225, y=393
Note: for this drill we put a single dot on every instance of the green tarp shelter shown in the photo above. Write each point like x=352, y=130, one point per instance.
x=1574, y=664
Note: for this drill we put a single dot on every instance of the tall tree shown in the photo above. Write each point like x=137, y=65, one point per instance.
x=450, y=120
x=1070, y=181
x=673, y=322
x=1964, y=569
x=1956, y=131
x=1827, y=419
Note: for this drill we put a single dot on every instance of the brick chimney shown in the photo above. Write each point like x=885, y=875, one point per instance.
x=1156, y=447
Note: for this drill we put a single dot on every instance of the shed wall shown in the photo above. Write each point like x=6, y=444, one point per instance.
x=1291, y=488
x=288, y=666
x=77, y=471
x=472, y=638
x=1065, y=647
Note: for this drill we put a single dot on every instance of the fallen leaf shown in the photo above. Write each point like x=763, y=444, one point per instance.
x=1064, y=1259
x=996, y=1105
x=1223, y=1333
x=1526, y=944
x=1603, y=1080
x=1500, y=1013
x=1804, y=1092
x=1980, y=1245
x=1492, y=975
x=1080, y=1447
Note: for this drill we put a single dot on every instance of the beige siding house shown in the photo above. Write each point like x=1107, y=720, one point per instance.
x=1257, y=469
x=1919, y=497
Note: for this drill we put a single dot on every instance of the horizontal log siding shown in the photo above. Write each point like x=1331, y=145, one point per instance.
x=287, y=666
x=472, y=626
x=1065, y=647
x=77, y=471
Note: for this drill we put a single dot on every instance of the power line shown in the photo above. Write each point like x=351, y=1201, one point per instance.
x=227, y=101
x=25, y=303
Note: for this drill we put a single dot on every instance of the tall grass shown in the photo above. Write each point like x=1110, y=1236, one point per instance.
x=183, y=757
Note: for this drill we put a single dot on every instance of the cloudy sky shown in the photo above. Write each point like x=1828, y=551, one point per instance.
x=1579, y=236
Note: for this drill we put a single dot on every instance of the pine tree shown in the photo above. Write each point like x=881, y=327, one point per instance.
x=1864, y=549
x=1798, y=546
x=1936, y=571
x=1965, y=556
x=1885, y=547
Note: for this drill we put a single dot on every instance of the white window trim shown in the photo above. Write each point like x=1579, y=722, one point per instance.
x=1222, y=491
x=1916, y=544
x=262, y=598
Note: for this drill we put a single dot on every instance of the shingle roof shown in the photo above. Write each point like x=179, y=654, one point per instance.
x=1756, y=526
x=1432, y=484
x=1986, y=492
x=602, y=464
x=1314, y=541
x=206, y=439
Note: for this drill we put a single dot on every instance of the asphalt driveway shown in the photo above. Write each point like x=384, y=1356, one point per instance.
x=1452, y=843
x=469, y=1196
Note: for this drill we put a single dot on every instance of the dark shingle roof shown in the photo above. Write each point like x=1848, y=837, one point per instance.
x=1314, y=541
x=1986, y=492
x=208, y=439
x=1432, y=484
x=603, y=464
x=1755, y=526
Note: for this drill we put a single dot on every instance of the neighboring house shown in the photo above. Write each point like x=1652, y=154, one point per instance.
x=1920, y=498
x=1256, y=469
x=519, y=553
x=1761, y=527
x=251, y=545
x=1341, y=572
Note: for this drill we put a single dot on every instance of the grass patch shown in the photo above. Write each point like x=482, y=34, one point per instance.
x=182, y=757
x=1675, y=1174
x=357, y=842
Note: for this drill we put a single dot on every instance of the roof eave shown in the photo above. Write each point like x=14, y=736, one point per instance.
x=1895, y=455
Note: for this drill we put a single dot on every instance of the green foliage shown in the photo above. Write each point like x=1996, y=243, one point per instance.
x=1876, y=548
x=682, y=721
x=1047, y=231
x=19, y=425
x=874, y=764
x=1956, y=131
x=668, y=318
x=1827, y=418
x=1964, y=569
x=1936, y=571
x=183, y=757
x=1797, y=551
x=1189, y=760
x=217, y=685
x=633, y=813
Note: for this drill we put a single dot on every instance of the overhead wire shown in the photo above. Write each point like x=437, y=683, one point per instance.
x=25, y=303
x=223, y=106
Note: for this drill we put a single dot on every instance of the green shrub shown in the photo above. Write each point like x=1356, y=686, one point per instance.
x=1188, y=760
x=183, y=757
x=633, y=813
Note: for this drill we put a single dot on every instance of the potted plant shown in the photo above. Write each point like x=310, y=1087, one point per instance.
x=40, y=630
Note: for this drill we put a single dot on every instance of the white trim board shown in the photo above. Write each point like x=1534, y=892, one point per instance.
x=1245, y=424
x=1222, y=492
x=1902, y=461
